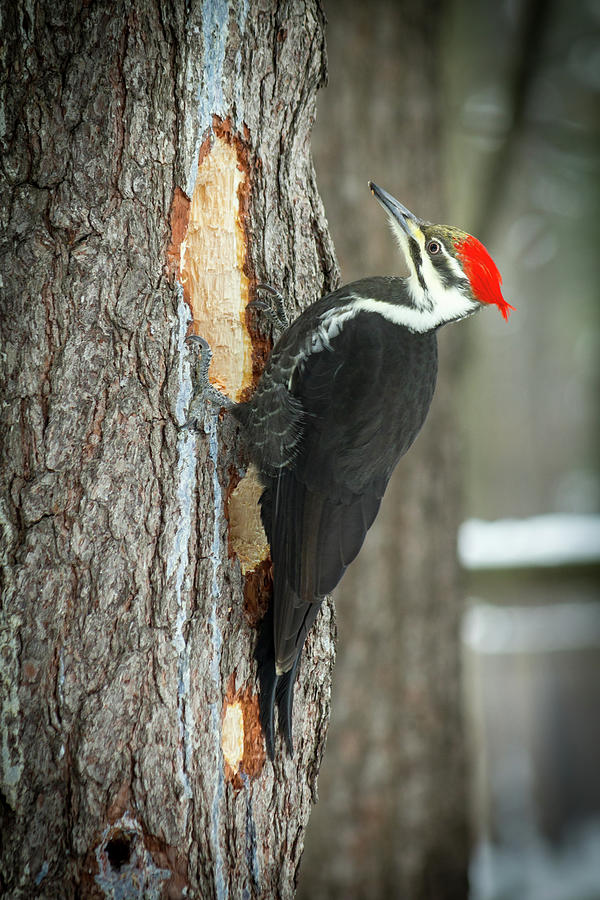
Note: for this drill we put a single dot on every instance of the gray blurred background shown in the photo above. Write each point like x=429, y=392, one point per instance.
x=483, y=115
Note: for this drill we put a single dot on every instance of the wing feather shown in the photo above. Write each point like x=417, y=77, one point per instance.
x=326, y=455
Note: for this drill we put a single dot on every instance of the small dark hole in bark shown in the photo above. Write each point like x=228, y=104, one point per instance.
x=118, y=850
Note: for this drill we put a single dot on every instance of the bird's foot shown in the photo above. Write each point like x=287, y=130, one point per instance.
x=275, y=312
x=203, y=391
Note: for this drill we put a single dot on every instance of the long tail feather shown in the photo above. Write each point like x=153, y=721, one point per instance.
x=284, y=696
x=274, y=689
x=267, y=677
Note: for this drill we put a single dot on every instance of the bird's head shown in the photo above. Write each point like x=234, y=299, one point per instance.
x=451, y=273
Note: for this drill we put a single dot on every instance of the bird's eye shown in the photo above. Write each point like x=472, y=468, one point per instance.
x=433, y=247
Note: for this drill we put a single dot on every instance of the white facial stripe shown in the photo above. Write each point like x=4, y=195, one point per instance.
x=455, y=265
x=420, y=297
x=442, y=303
x=402, y=240
x=435, y=303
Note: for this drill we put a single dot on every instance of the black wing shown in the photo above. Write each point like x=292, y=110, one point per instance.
x=363, y=403
x=357, y=406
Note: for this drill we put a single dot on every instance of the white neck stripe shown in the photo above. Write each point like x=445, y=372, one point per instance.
x=413, y=318
x=417, y=319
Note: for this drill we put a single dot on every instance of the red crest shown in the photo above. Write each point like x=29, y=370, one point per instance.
x=482, y=272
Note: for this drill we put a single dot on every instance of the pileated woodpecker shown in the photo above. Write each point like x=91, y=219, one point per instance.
x=343, y=396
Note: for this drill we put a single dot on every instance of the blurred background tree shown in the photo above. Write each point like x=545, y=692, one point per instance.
x=482, y=115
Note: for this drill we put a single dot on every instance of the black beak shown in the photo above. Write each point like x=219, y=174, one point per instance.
x=394, y=208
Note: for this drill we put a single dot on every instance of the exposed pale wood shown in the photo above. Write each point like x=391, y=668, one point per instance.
x=246, y=534
x=232, y=735
x=213, y=256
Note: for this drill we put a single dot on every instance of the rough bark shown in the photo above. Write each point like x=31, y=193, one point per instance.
x=396, y=735
x=126, y=623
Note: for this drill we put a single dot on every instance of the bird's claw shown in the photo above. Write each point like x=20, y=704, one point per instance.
x=276, y=314
x=203, y=390
x=197, y=339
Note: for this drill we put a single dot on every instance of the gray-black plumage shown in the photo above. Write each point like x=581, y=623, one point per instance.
x=329, y=420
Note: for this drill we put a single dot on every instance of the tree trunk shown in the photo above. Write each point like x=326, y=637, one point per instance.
x=396, y=733
x=156, y=166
